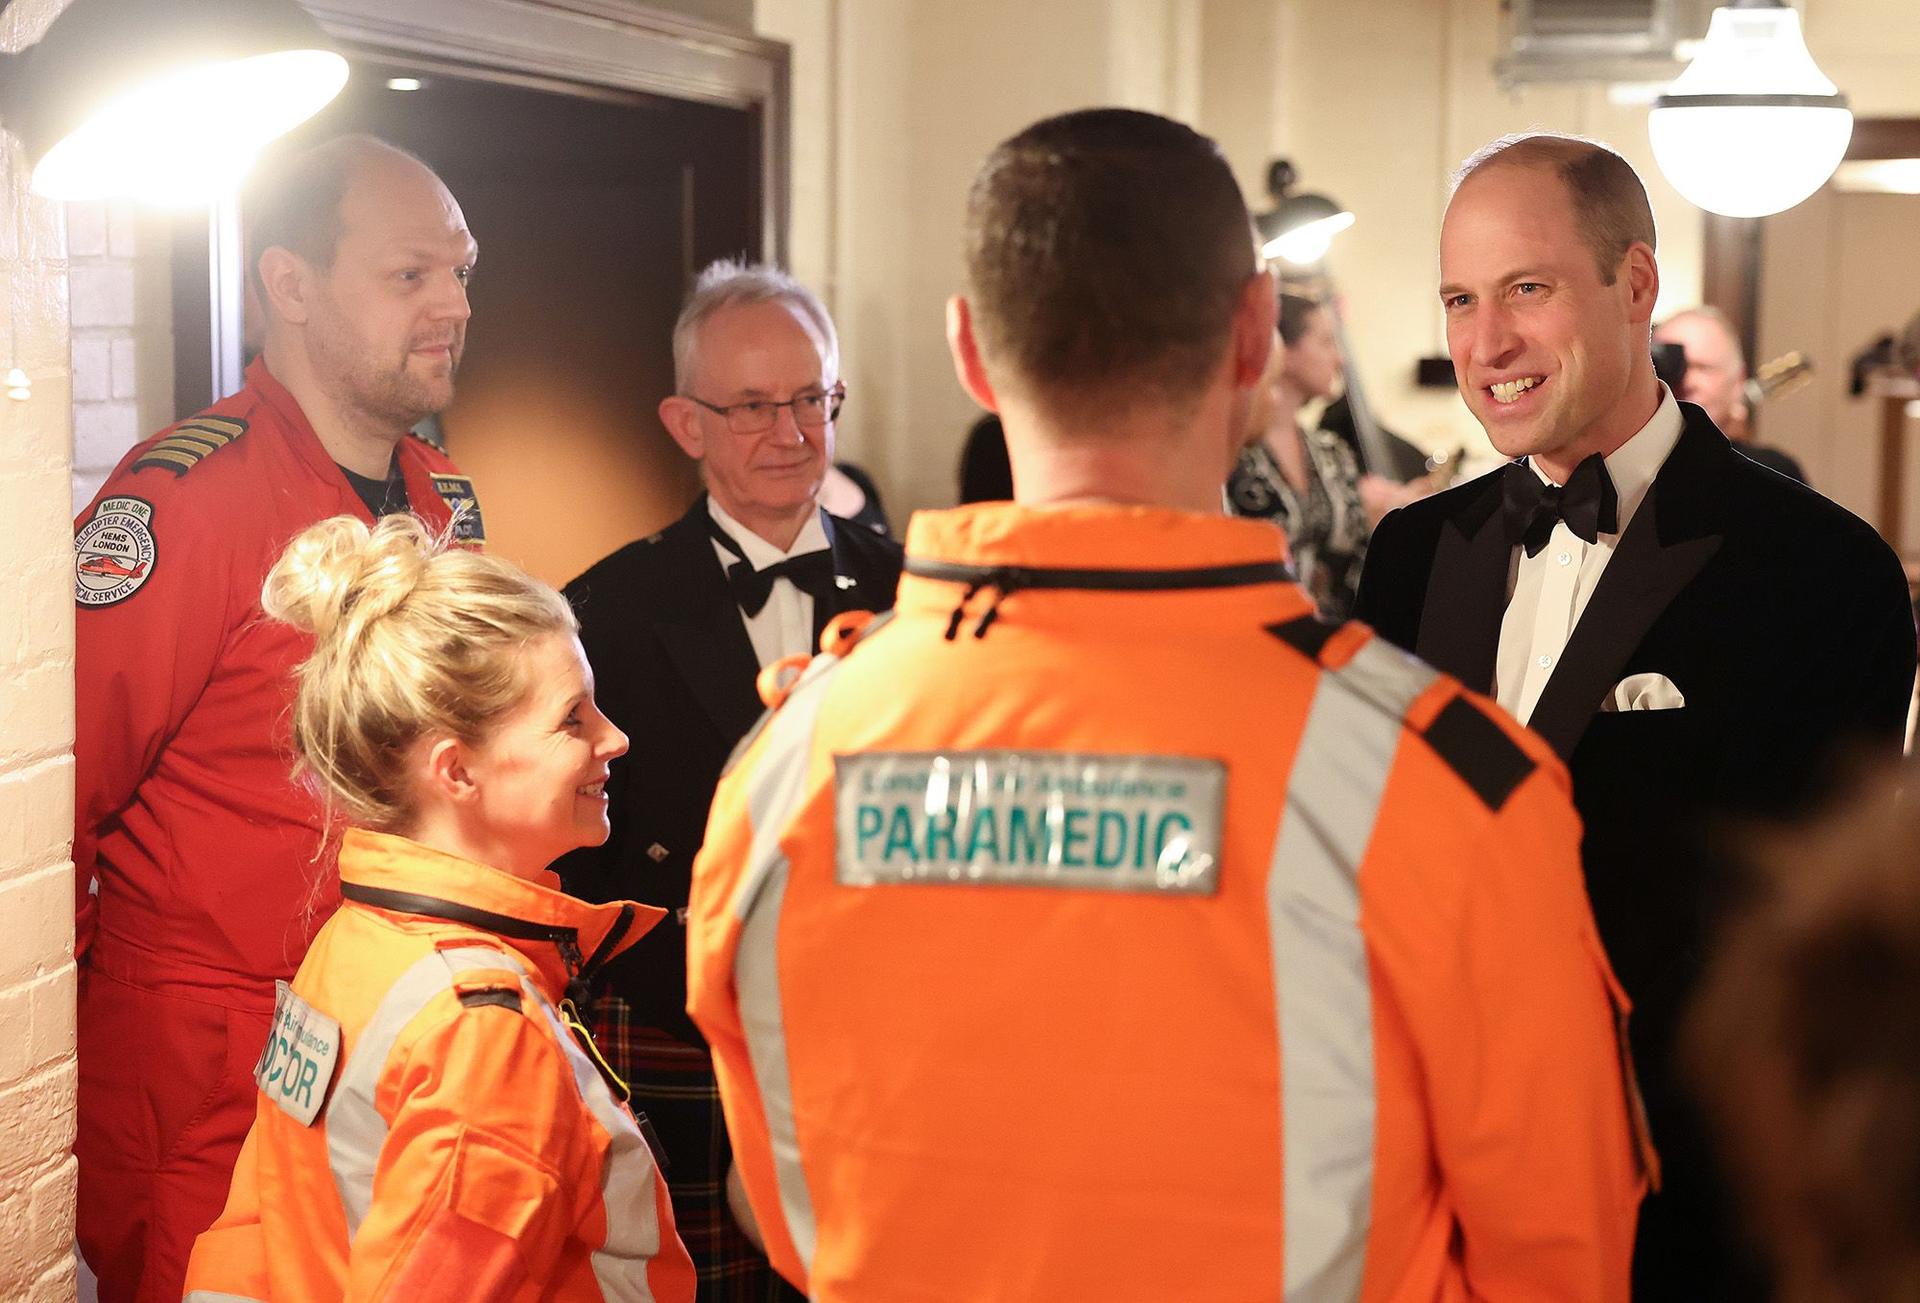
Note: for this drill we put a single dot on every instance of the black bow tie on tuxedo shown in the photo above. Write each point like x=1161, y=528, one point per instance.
x=1587, y=502
x=810, y=572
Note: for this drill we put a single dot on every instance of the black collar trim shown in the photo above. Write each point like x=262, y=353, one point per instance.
x=1014, y=578
x=565, y=938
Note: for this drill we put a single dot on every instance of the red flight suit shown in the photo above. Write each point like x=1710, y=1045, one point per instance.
x=205, y=854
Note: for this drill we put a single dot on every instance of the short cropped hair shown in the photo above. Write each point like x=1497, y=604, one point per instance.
x=1609, y=202
x=1106, y=251
x=732, y=283
x=294, y=202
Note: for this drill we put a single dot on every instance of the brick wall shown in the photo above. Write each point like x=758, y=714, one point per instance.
x=36, y=737
x=122, y=334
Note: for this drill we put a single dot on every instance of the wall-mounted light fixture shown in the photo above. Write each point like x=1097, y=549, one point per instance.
x=1752, y=126
x=1301, y=227
x=163, y=100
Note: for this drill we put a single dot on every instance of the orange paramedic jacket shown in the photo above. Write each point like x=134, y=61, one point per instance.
x=426, y=1128
x=1106, y=927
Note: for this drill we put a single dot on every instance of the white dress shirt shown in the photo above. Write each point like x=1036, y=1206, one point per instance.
x=1547, y=592
x=784, y=626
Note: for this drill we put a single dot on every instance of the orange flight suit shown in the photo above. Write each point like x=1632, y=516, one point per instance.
x=1104, y=926
x=426, y=1128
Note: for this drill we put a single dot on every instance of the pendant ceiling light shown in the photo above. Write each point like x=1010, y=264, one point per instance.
x=1752, y=126
x=164, y=100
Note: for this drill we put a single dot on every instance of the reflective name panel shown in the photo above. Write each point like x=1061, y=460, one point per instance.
x=1036, y=818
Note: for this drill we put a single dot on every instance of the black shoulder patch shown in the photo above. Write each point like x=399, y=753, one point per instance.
x=1307, y=635
x=186, y=444
x=506, y=999
x=1479, y=750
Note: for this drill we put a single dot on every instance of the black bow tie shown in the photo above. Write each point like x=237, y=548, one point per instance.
x=1587, y=502
x=810, y=572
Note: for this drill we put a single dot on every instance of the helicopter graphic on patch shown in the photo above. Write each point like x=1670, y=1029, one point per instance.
x=114, y=552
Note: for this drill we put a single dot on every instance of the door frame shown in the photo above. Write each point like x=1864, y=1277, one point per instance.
x=579, y=47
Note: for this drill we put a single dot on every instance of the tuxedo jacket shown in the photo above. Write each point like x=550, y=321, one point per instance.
x=1784, y=622
x=674, y=668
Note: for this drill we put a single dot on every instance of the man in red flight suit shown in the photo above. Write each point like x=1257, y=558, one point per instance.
x=197, y=861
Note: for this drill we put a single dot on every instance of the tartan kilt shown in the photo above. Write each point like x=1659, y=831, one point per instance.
x=673, y=1084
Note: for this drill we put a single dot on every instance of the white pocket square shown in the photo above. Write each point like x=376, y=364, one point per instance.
x=1645, y=692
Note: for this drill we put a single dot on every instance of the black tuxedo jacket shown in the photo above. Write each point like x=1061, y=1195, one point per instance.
x=674, y=668
x=1784, y=622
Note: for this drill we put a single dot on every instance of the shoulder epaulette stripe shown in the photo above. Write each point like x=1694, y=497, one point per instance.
x=171, y=459
x=218, y=437
x=1307, y=635
x=188, y=441
x=1479, y=750
x=182, y=447
x=505, y=999
x=231, y=426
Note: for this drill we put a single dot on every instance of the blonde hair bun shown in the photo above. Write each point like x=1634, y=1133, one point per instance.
x=413, y=637
x=338, y=577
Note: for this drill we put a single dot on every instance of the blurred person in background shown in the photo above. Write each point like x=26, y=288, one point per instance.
x=1805, y=1046
x=1308, y=482
x=1716, y=379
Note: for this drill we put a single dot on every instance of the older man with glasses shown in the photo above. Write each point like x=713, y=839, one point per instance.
x=678, y=627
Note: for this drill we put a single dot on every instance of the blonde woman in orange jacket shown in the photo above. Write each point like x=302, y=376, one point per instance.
x=432, y=1122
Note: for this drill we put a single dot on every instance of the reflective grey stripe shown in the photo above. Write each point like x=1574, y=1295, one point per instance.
x=773, y=797
x=355, y=1129
x=626, y=1182
x=1321, y=985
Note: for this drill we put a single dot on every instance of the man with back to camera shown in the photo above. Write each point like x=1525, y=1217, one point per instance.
x=677, y=627
x=206, y=855
x=1105, y=926
x=1697, y=636
x=1716, y=379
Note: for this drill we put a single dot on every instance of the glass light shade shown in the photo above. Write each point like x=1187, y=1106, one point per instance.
x=1752, y=126
x=178, y=138
x=1305, y=245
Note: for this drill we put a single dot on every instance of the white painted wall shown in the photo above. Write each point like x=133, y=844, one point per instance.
x=122, y=314
x=36, y=738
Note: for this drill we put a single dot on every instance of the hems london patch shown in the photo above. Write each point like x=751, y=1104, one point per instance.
x=114, y=552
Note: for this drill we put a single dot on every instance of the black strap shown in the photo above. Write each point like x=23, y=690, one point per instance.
x=1012, y=578
x=410, y=902
x=566, y=939
x=1007, y=580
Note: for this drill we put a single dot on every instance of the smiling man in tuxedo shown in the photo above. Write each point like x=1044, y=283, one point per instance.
x=1697, y=636
x=677, y=627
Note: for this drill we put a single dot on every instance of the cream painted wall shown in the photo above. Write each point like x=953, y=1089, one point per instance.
x=896, y=103
x=1829, y=289
x=916, y=93
x=1840, y=270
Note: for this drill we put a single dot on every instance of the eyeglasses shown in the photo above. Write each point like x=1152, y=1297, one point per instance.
x=810, y=411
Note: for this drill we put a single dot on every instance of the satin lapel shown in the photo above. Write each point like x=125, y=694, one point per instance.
x=1467, y=592
x=705, y=638
x=849, y=593
x=1670, y=538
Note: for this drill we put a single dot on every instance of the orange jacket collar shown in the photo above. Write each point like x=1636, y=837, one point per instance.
x=381, y=860
x=1094, y=536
